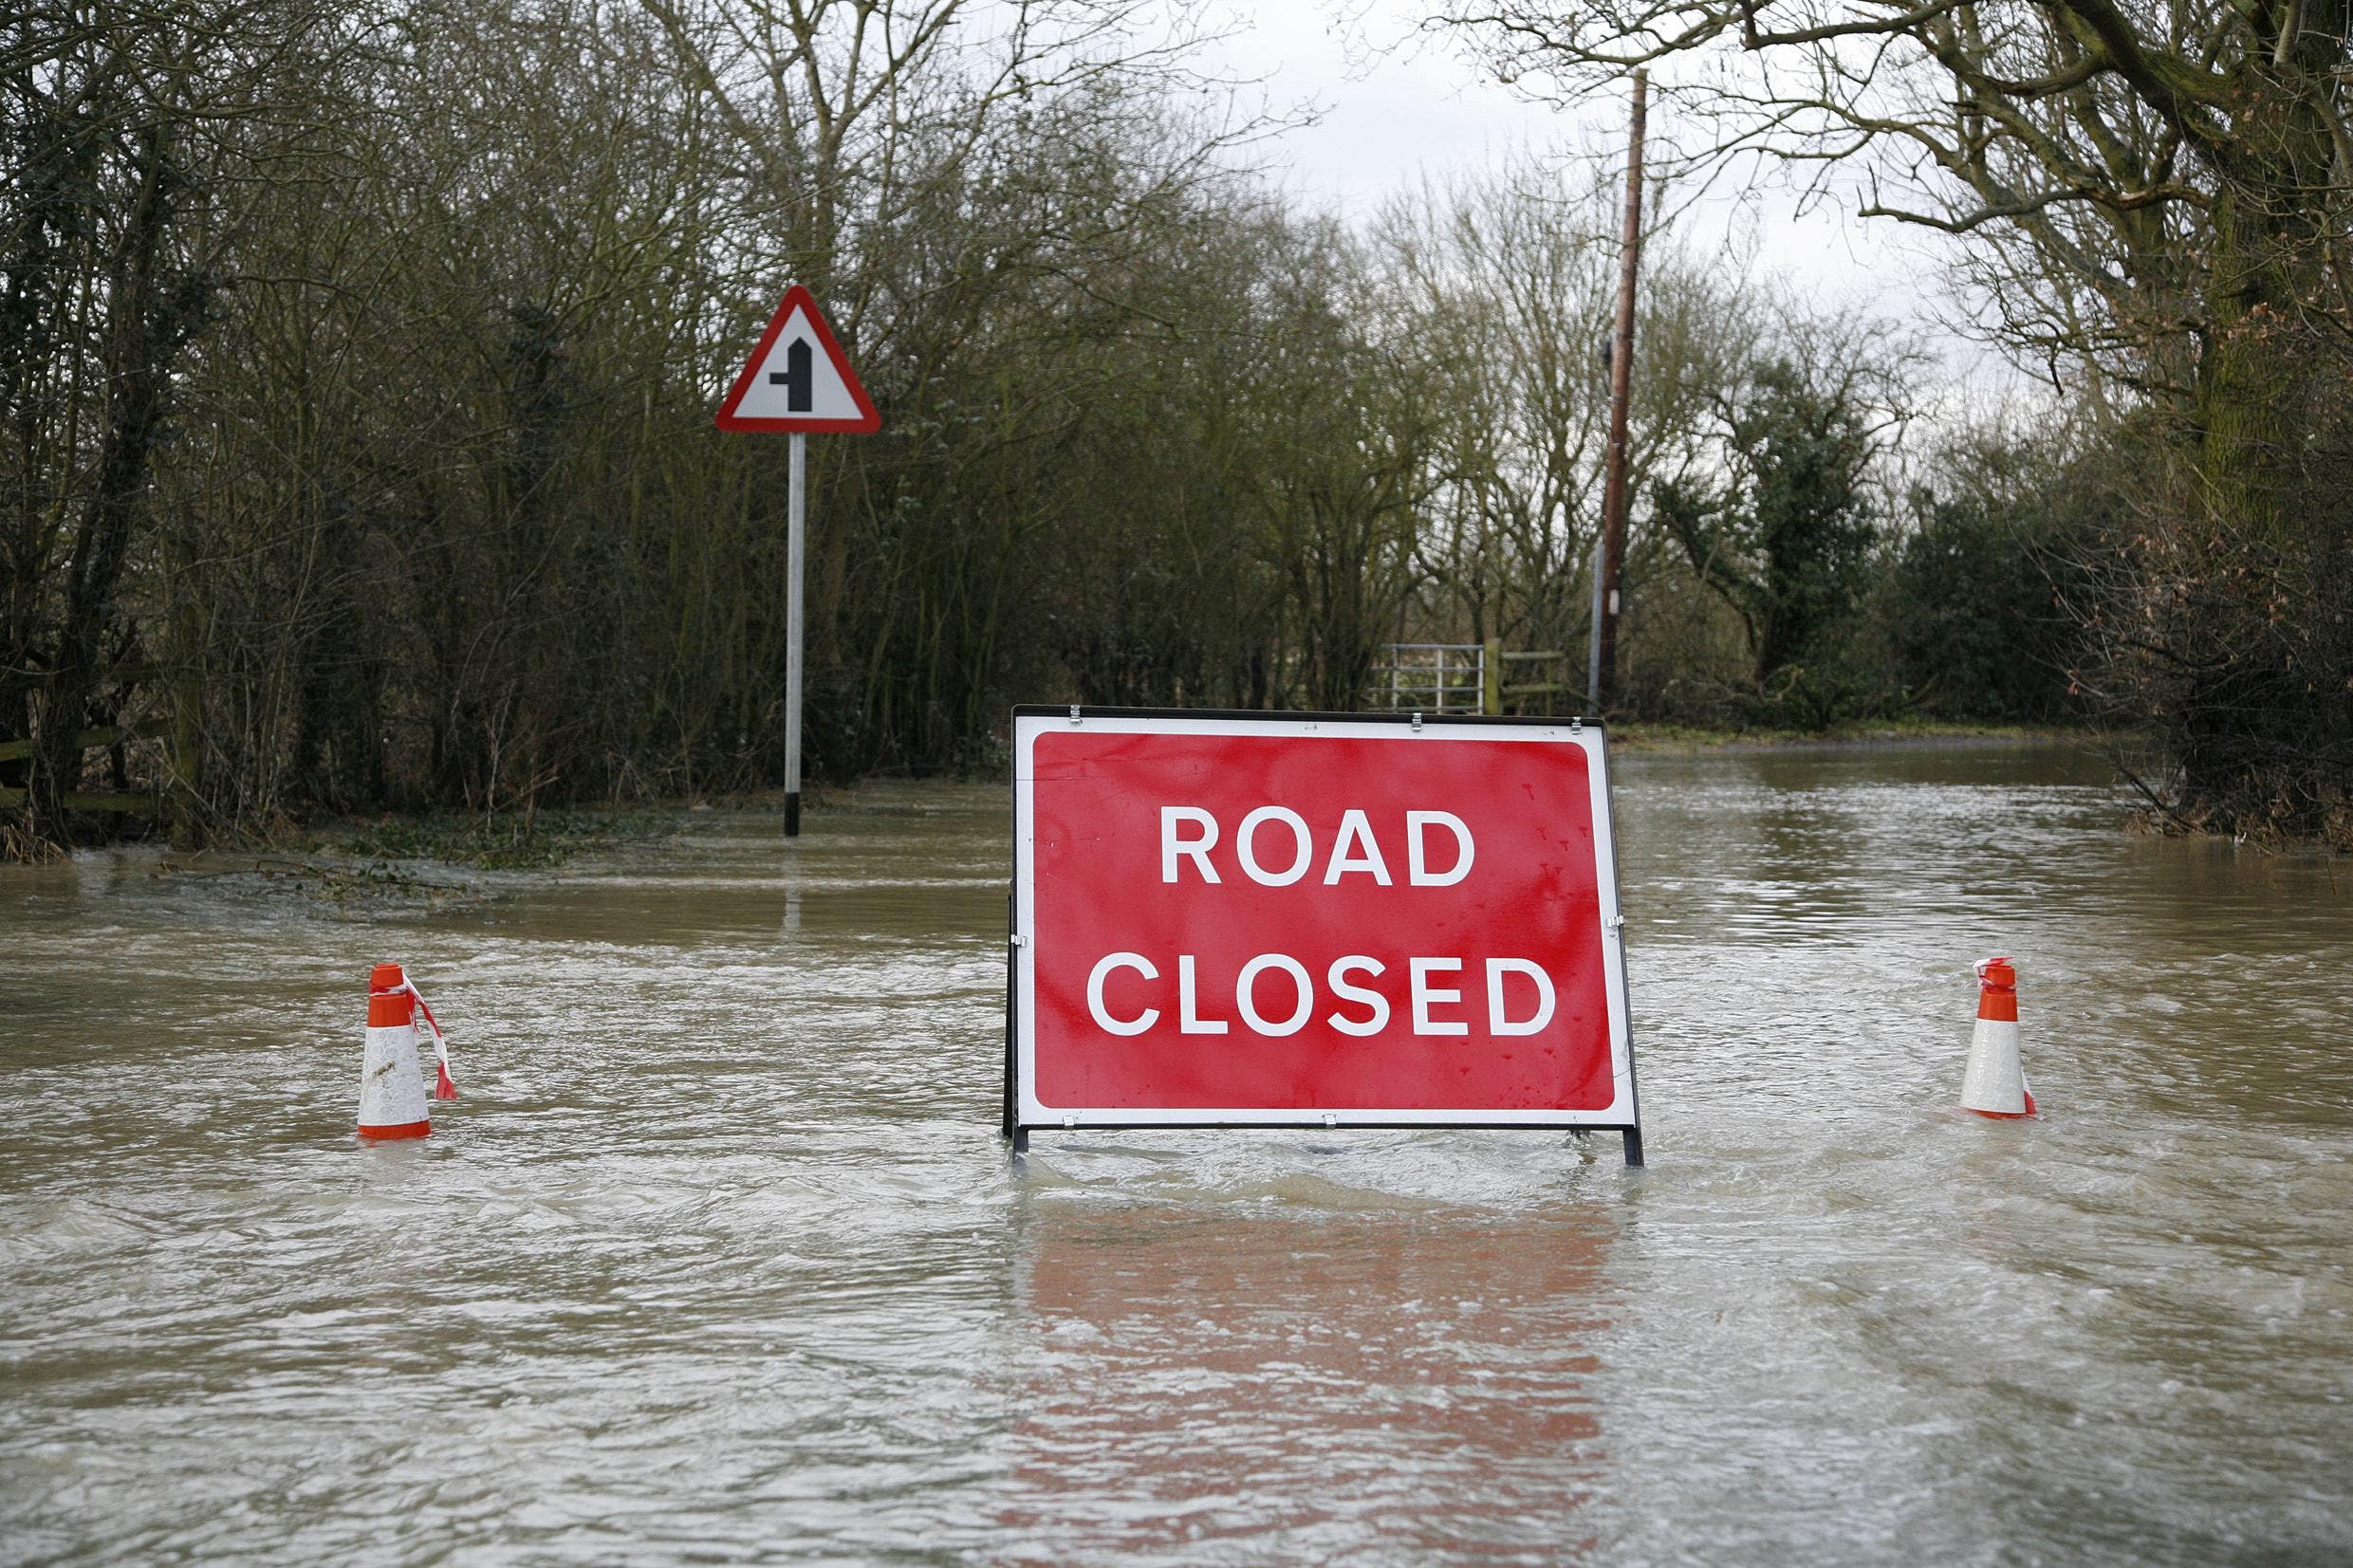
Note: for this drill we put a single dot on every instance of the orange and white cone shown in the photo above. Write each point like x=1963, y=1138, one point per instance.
x=391, y=1082
x=1996, y=1084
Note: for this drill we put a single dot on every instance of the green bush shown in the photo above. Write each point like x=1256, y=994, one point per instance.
x=1975, y=604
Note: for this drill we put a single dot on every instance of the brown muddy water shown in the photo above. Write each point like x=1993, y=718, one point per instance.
x=719, y=1259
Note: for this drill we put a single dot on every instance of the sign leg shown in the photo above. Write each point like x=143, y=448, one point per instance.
x=797, y=514
x=1634, y=1147
x=1011, y=977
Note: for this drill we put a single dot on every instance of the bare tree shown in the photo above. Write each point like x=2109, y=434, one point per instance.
x=133, y=123
x=2158, y=195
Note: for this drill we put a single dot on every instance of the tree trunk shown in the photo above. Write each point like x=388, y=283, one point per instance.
x=2255, y=402
x=139, y=343
x=183, y=673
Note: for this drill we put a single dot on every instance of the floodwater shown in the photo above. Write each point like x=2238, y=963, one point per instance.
x=720, y=1259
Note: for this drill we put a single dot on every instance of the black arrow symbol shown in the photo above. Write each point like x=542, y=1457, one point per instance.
x=798, y=378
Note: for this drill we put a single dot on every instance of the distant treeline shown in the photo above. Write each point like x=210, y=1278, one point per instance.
x=358, y=364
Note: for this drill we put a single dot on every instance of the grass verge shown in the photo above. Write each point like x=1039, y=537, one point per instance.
x=502, y=842
x=1866, y=733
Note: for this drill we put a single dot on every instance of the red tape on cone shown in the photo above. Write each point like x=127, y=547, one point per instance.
x=444, y=1086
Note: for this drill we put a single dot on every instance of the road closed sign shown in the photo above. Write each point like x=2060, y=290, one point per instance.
x=1313, y=920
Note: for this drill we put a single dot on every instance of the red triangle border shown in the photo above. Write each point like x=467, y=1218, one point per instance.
x=868, y=420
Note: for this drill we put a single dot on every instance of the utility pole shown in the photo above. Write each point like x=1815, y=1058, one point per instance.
x=1604, y=678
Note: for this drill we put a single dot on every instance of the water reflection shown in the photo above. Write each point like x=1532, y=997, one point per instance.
x=1312, y=1386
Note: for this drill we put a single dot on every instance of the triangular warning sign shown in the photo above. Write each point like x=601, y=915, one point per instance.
x=799, y=379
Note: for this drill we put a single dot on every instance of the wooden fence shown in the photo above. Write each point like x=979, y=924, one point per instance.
x=1461, y=678
x=136, y=803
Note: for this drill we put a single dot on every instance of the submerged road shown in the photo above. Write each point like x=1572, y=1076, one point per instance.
x=720, y=1259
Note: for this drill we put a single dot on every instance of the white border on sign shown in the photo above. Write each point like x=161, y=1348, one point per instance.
x=1028, y=1111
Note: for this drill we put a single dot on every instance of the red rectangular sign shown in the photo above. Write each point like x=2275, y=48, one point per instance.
x=1314, y=920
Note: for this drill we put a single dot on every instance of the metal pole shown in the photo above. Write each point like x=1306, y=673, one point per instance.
x=798, y=513
x=1621, y=391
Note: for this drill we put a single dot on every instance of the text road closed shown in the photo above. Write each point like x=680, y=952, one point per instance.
x=1310, y=922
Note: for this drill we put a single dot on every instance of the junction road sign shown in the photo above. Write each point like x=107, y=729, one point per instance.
x=1314, y=920
x=798, y=381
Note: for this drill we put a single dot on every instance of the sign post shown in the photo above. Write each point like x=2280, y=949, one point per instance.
x=796, y=533
x=797, y=380
x=1314, y=920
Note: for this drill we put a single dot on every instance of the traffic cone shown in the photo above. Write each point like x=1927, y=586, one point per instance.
x=392, y=1084
x=1996, y=1084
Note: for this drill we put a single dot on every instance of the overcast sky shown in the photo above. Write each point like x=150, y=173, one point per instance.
x=1394, y=105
